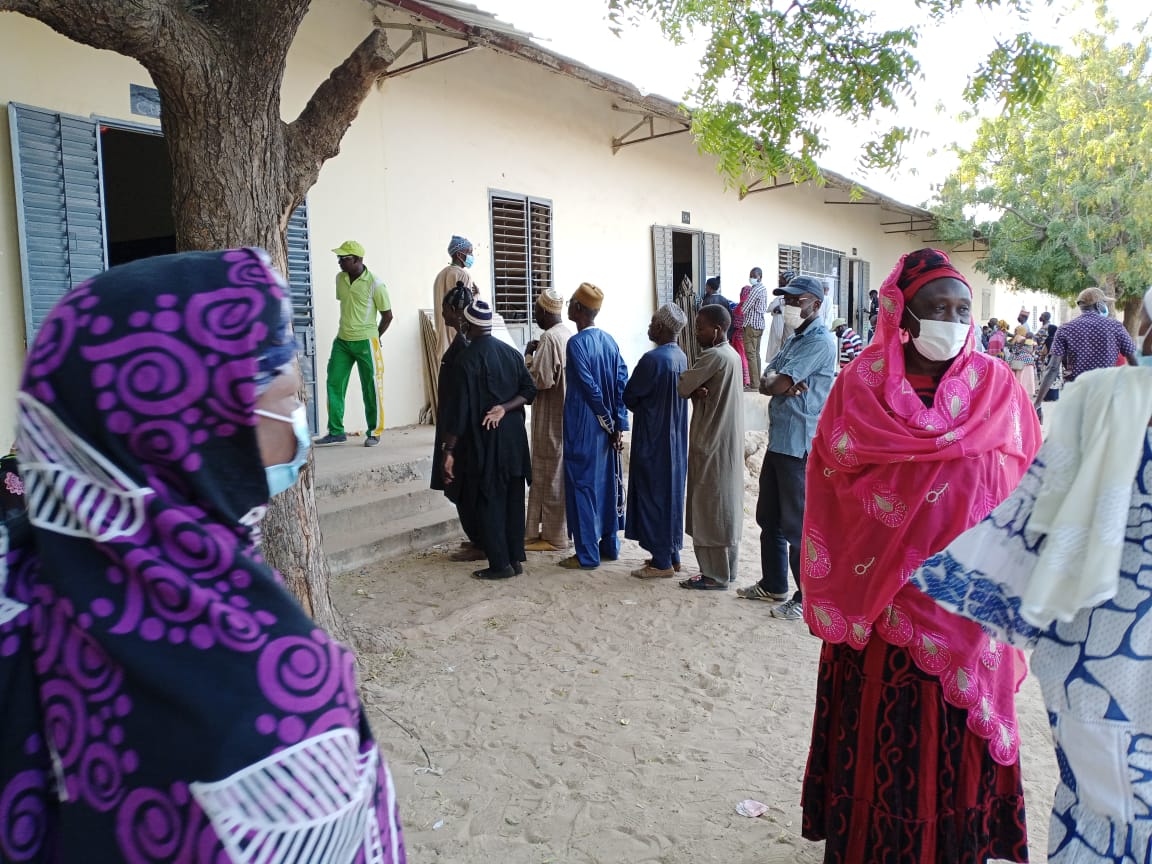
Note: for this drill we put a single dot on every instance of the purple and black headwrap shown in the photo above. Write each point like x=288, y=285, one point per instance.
x=149, y=657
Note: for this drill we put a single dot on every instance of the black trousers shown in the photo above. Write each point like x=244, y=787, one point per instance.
x=466, y=499
x=780, y=515
x=500, y=519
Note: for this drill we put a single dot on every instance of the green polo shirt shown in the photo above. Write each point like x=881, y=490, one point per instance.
x=361, y=301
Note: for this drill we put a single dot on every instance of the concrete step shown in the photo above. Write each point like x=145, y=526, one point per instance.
x=403, y=454
x=374, y=510
x=350, y=550
x=354, y=479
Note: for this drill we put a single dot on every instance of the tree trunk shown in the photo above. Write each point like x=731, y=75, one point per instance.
x=238, y=170
x=1131, y=307
x=227, y=147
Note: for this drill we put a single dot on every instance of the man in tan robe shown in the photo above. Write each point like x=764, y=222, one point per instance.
x=460, y=250
x=546, y=529
x=714, y=512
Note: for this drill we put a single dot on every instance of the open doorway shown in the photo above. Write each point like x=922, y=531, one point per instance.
x=137, y=180
x=685, y=261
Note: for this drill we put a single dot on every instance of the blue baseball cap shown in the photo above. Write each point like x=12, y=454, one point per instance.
x=803, y=285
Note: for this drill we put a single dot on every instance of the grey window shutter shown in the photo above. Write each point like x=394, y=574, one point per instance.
x=303, y=317
x=59, y=206
x=712, y=258
x=662, y=264
x=511, y=267
x=539, y=247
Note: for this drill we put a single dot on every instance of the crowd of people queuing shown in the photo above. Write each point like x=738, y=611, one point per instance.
x=890, y=470
x=167, y=699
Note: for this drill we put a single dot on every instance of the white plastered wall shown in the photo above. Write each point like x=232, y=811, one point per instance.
x=417, y=166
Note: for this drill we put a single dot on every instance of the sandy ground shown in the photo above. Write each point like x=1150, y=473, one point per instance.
x=569, y=716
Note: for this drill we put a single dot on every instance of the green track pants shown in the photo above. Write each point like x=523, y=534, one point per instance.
x=365, y=355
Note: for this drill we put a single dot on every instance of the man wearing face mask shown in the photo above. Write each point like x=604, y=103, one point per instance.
x=754, y=306
x=1092, y=341
x=362, y=296
x=778, y=330
x=798, y=379
x=460, y=251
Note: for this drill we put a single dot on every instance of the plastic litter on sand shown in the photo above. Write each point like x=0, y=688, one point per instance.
x=751, y=808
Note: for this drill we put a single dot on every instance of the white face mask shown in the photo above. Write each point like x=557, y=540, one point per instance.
x=940, y=340
x=793, y=316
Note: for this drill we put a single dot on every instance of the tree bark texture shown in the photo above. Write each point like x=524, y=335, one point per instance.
x=238, y=170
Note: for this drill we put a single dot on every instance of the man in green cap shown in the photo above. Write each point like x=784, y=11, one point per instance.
x=357, y=343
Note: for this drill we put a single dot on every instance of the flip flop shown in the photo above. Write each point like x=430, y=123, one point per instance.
x=700, y=583
x=541, y=546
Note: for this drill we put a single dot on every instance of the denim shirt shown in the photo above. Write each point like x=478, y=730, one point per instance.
x=808, y=356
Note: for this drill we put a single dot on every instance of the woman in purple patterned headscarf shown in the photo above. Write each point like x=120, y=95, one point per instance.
x=165, y=698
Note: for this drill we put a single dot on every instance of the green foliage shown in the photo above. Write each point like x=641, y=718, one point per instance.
x=774, y=69
x=1060, y=190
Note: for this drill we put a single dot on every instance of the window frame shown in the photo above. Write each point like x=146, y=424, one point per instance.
x=538, y=269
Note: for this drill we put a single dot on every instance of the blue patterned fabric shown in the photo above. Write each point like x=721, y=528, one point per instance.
x=1094, y=671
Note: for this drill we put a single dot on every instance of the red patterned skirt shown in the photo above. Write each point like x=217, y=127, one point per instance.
x=894, y=774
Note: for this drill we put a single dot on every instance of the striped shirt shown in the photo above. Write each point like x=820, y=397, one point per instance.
x=850, y=346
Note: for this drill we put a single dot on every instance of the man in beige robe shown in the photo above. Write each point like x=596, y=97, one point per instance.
x=460, y=250
x=714, y=511
x=546, y=529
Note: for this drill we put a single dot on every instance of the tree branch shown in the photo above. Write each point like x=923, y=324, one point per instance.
x=129, y=27
x=1043, y=229
x=314, y=137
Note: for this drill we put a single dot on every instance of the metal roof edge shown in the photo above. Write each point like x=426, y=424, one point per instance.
x=484, y=28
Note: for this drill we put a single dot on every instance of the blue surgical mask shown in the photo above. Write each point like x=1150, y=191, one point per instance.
x=468, y=260
x=284, y=476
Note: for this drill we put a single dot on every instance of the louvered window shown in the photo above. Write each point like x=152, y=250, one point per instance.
x=789, y=260
x=521, y=253
x=59, y=211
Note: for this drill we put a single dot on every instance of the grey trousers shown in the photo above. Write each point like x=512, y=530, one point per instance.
x=718, y=563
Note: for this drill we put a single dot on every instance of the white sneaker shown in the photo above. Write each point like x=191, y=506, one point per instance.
x=789, y=610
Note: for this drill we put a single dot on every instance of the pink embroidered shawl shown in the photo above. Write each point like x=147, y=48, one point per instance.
x=891, y=482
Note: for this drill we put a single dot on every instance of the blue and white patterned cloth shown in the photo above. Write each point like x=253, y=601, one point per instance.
x=1095, y=671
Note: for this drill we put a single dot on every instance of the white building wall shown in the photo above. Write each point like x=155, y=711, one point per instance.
x=417, y=166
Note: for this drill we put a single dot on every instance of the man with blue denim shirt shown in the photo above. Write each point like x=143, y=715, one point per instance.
x=798, y=379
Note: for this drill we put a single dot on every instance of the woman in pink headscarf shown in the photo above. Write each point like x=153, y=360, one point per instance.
x=915, y=748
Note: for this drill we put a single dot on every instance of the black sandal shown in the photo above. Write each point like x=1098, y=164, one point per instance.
x=703, y=583
x=489, y=573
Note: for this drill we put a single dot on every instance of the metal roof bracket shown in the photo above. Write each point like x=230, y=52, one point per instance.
x=418, y=39
x=647, y=118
